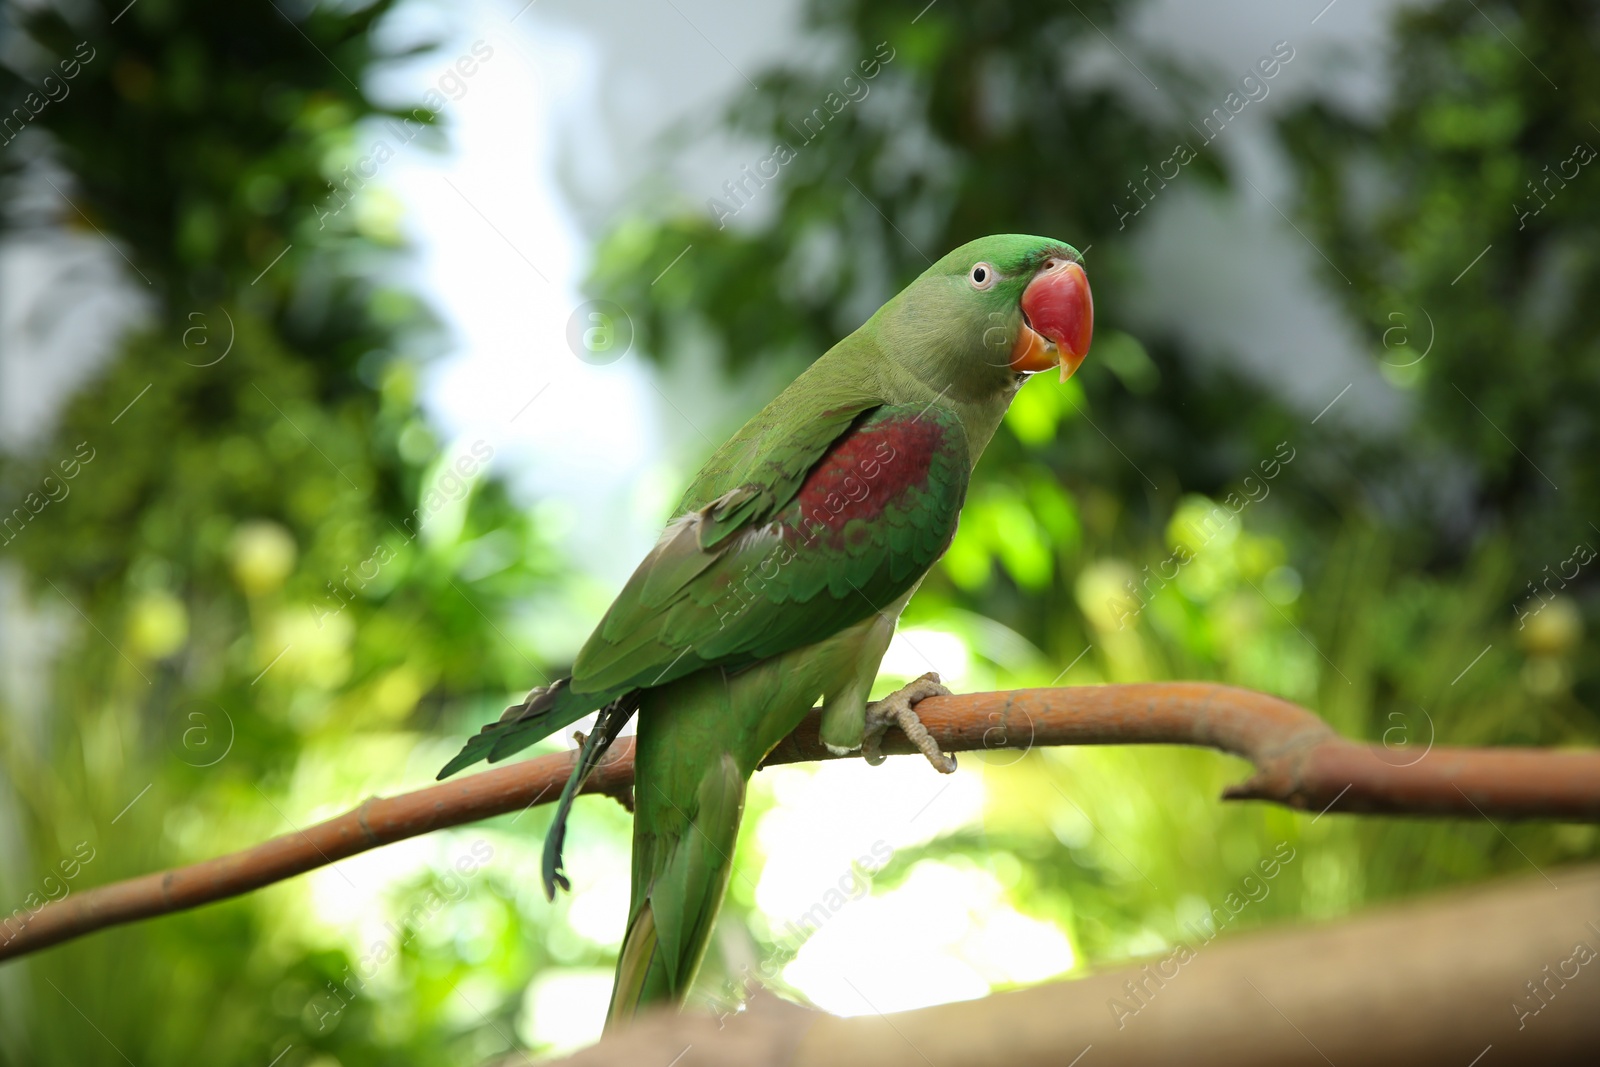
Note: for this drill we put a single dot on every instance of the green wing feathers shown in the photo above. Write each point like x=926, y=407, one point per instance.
x=872, y=507
x=767, y=469
x=871, y=515
x=768, y=447
x=546, y=710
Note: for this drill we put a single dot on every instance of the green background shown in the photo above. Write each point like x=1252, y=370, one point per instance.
x=202, y=536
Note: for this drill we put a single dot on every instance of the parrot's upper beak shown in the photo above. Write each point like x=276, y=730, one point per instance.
x=1057, y=320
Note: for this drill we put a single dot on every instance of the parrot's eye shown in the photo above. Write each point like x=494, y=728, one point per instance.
x=982, y=276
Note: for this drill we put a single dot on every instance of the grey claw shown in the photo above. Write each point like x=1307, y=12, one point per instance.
x=898, y=709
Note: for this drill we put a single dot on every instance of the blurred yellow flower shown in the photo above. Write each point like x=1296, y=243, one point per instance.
x=158, y=624
x=1555, y=629
x=1106, y=594
x=262, y=555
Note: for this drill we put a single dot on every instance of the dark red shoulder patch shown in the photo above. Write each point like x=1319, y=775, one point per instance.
x=871, y=467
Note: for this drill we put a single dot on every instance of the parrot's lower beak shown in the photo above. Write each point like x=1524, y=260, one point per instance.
x=1057, y=320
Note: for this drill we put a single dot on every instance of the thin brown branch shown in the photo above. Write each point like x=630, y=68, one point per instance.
x=1299, y=760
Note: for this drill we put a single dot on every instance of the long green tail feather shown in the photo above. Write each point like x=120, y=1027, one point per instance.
x=682, y=858
x=633, y=968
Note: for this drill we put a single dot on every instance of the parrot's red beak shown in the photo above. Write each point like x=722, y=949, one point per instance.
x=1057, y=320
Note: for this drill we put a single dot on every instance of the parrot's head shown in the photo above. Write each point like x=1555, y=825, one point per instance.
x=993, y=312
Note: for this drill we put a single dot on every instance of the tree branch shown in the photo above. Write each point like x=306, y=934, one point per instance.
x=1300, y=762
x=1442, y=980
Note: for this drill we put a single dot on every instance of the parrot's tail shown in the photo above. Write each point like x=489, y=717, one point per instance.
x=547, y=709
x=682, y=857
x=613, y=717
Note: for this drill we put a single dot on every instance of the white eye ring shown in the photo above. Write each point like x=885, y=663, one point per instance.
x=982, y=276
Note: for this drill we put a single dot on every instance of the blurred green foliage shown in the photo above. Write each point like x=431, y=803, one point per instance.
x=271, y=581
x=247, y=633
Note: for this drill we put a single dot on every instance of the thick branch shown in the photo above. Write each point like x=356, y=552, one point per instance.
x=1299, y=762
x=1508, y=967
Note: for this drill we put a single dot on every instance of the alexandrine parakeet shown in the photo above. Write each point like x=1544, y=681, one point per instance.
x=779, y=582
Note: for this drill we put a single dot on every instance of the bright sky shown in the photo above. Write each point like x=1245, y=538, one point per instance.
x=501, y=258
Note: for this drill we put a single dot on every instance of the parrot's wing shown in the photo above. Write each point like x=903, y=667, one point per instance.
x=749, y=478
x=815, y=543
x=826, y=523
x=761, y=468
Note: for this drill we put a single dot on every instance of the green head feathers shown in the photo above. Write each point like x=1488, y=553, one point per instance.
x=989, y=313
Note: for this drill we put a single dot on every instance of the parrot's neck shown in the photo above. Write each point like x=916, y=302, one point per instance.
x=913, y=352
x=980, y=414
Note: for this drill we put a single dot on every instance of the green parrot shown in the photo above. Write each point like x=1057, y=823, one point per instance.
x=780, y=580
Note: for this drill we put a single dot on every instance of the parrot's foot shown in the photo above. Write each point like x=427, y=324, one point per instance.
x=898, y=709
x=623, y=794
